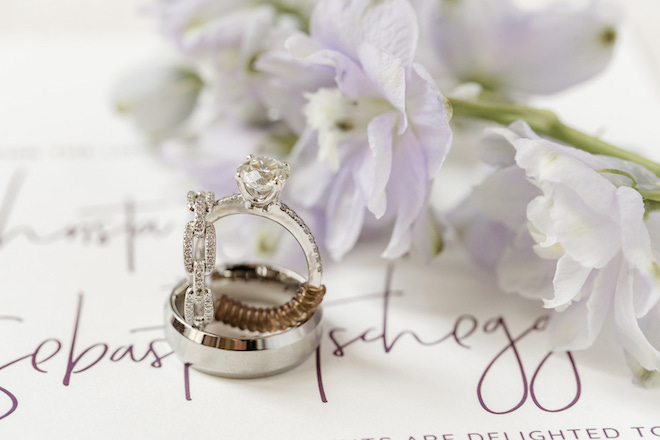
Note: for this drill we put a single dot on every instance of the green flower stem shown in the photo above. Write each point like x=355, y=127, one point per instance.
x=545, y=122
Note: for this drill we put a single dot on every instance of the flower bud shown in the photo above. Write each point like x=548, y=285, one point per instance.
x=158, y=97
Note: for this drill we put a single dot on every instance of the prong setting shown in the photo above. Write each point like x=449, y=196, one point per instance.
x=260, y=180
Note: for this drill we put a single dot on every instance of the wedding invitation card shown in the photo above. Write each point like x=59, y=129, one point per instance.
x=91, y=225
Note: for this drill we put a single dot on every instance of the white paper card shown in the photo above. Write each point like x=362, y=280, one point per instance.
x=90, y=247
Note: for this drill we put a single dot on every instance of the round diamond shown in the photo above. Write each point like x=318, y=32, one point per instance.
x=261, y=174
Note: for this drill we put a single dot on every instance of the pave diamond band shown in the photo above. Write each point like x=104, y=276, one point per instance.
x=199, y=251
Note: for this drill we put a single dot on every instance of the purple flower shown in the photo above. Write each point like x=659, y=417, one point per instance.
x=510, y=50
x=226, y=40
x=207, y=27
x=378, y=133
x=158, y=97
x=573, y=229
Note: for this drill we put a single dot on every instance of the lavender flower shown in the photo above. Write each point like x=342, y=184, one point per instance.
x=226, y=39
x=158, y=97
x=509, y=50
x=206, y=27
x=381, y=128
x=580, y=235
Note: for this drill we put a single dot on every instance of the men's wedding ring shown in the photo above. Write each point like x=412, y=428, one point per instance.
x=223, y=350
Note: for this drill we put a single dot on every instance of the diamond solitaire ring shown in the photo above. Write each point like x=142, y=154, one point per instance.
x=260, y=181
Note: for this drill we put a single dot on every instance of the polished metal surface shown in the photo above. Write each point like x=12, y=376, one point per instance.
x=223, y=350
x=284, y=216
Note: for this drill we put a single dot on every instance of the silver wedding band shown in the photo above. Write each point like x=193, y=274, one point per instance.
x=222, y=350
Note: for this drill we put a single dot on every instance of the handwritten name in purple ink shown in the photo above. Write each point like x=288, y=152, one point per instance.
x=107, y=223
x=465, y=327
x=81, y=360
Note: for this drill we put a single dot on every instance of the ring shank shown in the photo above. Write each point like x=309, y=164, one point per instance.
x=281, y=214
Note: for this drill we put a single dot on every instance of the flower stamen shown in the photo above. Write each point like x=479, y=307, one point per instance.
x=337, y=117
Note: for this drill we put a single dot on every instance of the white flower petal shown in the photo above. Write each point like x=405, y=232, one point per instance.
x=541, y=226
x=629, y=333
x=311, y=177
x=503, y=196
x=408, y=189
x=650, y=325
x=561, y=217
x=588, y=237
x=568, y=281
x=343, y=25
x=427, y=234
x=545, y=161
x=642, y=376
x=636, y=247
x=653, y=228
x=349, y=76
x=289, y=80
x=345, y=214
x=212, y=27
x=389, y=77
x=484, y=239
x=302, y=45
x=158, y=97
x=561, y=47
x=496, y=146
x=521, y=271
x=577, y=327
x=645, y=292
x=375, y=175
x=511, y=50
x=427, y=113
